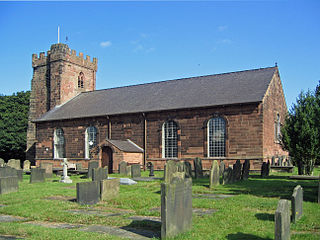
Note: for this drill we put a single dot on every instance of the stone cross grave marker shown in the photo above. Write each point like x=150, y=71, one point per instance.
x=282, y=220
x=92, y=165
x=65, y=178
x=135, y=170
x=296, y=203
x=198, y=167
x=88, y=192
x=37, y=175
x=214, y=174
x=151, y=169
x=99, y=174
x=109, y=188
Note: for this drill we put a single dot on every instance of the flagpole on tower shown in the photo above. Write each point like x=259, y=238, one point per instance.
x=58, y=34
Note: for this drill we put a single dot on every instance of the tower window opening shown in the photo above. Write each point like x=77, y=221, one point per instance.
x=81, y=80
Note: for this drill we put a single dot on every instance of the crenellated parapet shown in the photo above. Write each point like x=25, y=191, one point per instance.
x=62, y=52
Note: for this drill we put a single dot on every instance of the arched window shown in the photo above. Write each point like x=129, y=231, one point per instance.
x=217, y=137
x=59, y=143
x=277, y=129
x=80, y=80
x=90, y=140
x=170, y=140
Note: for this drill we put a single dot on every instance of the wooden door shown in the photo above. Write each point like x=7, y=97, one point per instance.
x=107, y=159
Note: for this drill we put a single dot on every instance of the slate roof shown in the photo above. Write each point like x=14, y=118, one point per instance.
x=212, y=90
x=126, y=145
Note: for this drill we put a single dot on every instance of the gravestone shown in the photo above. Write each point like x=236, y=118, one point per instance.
x=65, y=178
x=14, y=163
x=296, y=203
x=8, y=184
x=123, y=167
x=245, y=170
x=92, y=165
x=79, y=166
x=282, y=220
x=151, y=169
x=268, y=168
x=2, y=162
x=319, y=191
x=222, y=167
x=273, y=161
x=264, y=169
x=289, y=161
x=8, y=172
x=188, y=169
x=237, y=171
x=227, y=176
x=20, y=175
x=280, y=161
x=109, y=188
x=26, y=165
x=37, y=175
x=176, y=205
x=135, y=170
x=128, y=171
x=214, y=174
x=171, y=168
x=48, y=169
x=99, y=174
x=88, y=192
x=198, y=168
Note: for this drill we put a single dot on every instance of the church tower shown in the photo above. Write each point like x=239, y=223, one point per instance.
x=58, y=76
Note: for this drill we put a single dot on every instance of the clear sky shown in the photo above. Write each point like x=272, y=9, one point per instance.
x=148, y=41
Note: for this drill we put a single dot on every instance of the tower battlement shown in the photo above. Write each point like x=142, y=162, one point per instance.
x=62, y=52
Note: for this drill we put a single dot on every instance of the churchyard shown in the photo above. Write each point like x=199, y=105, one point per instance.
x=243, y=209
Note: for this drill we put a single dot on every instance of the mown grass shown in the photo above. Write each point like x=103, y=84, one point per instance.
x=248, y=214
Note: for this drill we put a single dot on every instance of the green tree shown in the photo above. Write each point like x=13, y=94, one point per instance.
x=14, y=111
x=301, y=131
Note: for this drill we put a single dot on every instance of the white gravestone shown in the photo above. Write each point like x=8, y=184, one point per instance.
x=65, y=178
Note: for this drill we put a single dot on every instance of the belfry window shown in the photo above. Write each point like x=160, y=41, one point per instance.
x=81, y=80
x=90, y=140
x=170, y=140
x=217, y=137
x=58, y=140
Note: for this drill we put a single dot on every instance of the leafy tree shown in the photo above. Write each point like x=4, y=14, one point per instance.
x=14, y=111
x=301, y=131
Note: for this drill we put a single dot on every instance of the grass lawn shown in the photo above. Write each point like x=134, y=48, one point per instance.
x=248, y=214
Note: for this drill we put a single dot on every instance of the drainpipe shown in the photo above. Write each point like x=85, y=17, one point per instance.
x=144, y=141
x=109, y=128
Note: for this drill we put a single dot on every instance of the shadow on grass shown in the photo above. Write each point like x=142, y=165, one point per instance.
x=265, y=216
x=146, y=228
x=244, y=236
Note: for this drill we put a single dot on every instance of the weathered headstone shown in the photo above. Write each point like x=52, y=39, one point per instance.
x=227, y=176
x=198, y=167
x=282, y=220
x=79, y=166
x=8, y=184
x=151, y=169
x=214, y=175
x=26, y=165
x=2, y=162
x=128, y=171
x=48, y=167
x=171, y=168
x=273, y=161
x=123, y=167
x=65, y=178
x=88, y=192
x=109, y=188
x=188, y=169
x=92, y=165
x=268, y=168
x=135, y=170
x=14, y=163
x=296, y=203
x=264, y=169
x=8, y=172
x=245, y=170
x=99, y=174
x=237, y=171
x=37, y=175
x=222, y=167
x=176, y=206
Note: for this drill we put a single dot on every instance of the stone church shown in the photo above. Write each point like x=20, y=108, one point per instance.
x=228, y=116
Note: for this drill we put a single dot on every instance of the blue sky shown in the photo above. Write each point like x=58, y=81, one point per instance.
x=148, y=41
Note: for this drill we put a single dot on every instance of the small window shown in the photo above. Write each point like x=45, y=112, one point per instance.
x=81, y=80
x=170, y=140
x=90, y=140
x=217, y=137
x=59, y=143
x=277, y=129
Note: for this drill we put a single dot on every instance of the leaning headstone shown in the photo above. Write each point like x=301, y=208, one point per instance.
x=135, y=170
x=99, y=174
x=92, y=165
x=237, y=171
x=151, y=169
x=214, y=175
x=198, y=167
x=227, y=176
x=176, y=206
x=2, y=163
x=65, y=178
x=88, y=192
x=222, y=167
x=264, y=170
x=14, y=163
x=188, y=169
x=245, y=170
x=48, y=167
x=296, y=203
x=8, y=184
x=123, y=167
x=109, y=188
x=26, y=165
x=37, y=175
x=282, y=220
